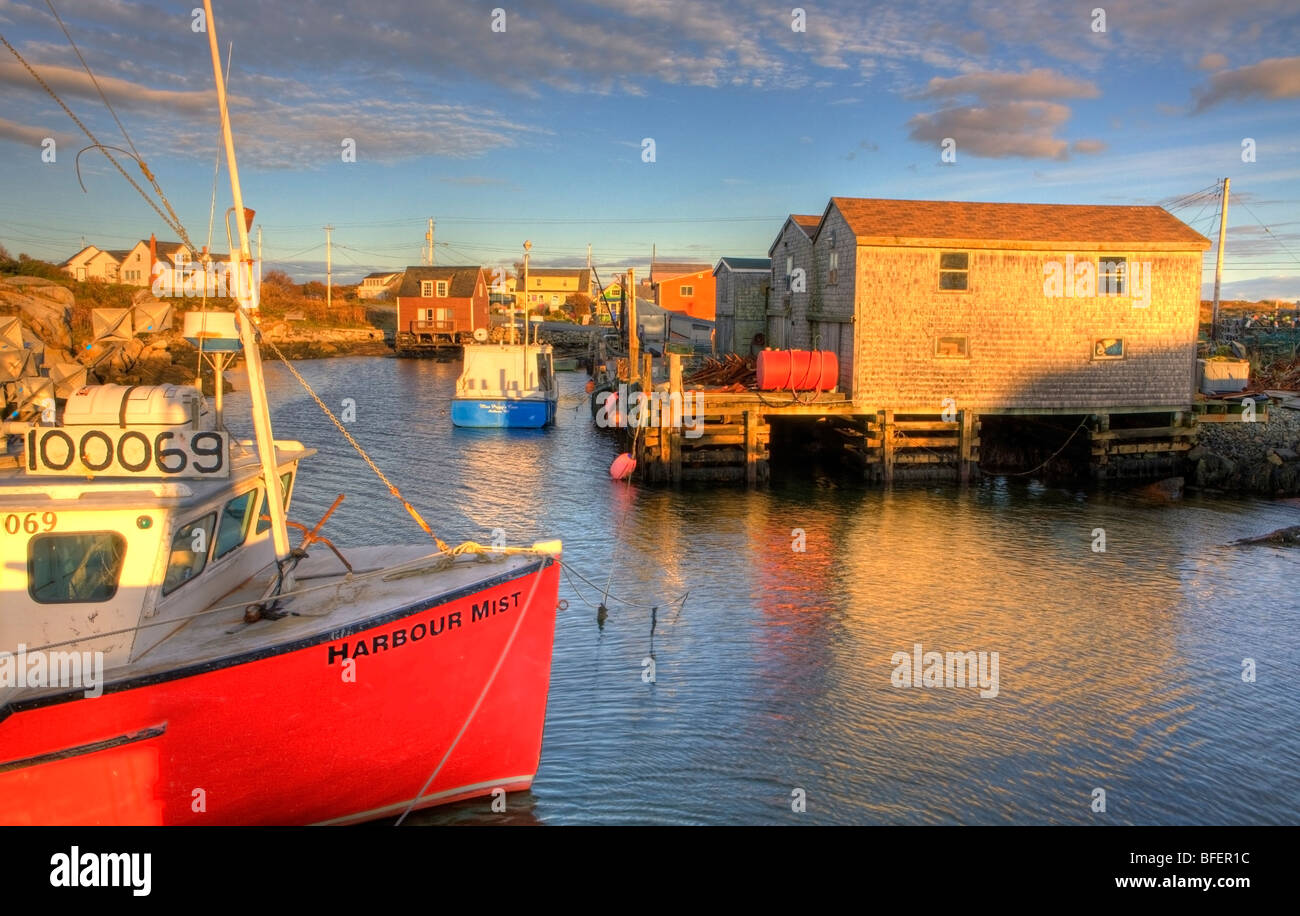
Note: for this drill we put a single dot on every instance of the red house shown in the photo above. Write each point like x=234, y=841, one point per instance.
x=441, y=306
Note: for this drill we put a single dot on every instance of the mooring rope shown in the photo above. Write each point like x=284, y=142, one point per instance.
x=496, y=669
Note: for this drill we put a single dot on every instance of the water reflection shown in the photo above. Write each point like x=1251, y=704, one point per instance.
x=1117, y=669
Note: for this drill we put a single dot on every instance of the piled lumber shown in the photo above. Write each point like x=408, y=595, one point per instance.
x=732, y=372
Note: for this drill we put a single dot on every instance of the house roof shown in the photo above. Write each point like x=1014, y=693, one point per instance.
x=931, y=223
x=806, y=223
x=666, y=270
x=557, y=271
x=380, y=274
x=118, y=254
x=82, y=256
x=165, y=249
x=461, y=280
x=738, y=264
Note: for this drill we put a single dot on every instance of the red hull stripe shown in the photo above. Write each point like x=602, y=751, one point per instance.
x=305, y=642
x=142, y=735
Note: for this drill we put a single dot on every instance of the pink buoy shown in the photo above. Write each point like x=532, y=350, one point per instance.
x=622, y=467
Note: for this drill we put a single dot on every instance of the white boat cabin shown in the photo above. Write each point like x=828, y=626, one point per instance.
x=506, y=371
x=128, y=518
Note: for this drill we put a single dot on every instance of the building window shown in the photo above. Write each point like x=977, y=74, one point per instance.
x=687, y=291
x=426, y=288
x=428, y=314
x=1108, y=348
x=952, y=347
x=442, y=288
x=74, y=568
x=789, y=269
x=953, y=269
x=1112, y=276
x=834, y=263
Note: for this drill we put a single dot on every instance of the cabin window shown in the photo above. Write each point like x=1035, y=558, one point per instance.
x=954, y=267
x=952, y=347
x=442, y=288
x=426, y=288
x=189, y=552
x=687, y=291
x=286, y=481
x=1108, y=348
x=74, y=568
x=233, y=529
x=1112, y=275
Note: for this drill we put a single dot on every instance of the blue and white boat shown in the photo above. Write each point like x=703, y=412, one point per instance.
x=506, y=385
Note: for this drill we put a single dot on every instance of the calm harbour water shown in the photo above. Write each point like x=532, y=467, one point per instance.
x=1119, y=670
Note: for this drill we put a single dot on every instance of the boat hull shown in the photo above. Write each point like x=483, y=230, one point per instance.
x=513, y=413
x=342, y=727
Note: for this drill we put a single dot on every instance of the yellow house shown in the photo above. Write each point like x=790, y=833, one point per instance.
x=136, y=266
x=92, y=263
x=131, y=266
x=550, y=287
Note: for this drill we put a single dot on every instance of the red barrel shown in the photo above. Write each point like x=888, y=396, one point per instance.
x=798, y=370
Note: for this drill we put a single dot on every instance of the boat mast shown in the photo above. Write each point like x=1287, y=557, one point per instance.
x=245, y=297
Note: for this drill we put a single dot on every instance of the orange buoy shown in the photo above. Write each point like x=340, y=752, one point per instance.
x=622, y=467
x=797, y=370
x=591, y=385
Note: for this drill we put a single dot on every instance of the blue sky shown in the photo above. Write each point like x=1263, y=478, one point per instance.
x=536, y=132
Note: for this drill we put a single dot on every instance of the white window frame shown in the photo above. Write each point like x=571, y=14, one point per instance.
x=442, y=289
x=426, y=289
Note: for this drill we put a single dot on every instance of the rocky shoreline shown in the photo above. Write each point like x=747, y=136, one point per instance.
x=1261, y=458
x=58, y=331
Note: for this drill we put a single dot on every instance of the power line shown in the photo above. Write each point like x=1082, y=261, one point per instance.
x=1237, y=198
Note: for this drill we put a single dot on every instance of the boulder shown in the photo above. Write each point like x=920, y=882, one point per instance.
x=46, y=310
x=1214, y=471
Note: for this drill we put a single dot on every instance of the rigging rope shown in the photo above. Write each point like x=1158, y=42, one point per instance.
x=172, y=222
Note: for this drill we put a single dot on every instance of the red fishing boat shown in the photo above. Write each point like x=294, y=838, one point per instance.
x=166, y=658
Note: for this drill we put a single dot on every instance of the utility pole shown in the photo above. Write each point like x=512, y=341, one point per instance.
x=329, y=270
x=527, y=247
x=428, y=237
x=633, y=344
x=589, y=256
x=1218, y=261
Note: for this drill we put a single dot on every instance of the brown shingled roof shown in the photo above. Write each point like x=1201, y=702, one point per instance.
x=460, y=280
x=806, y=222
x=666, y=270
x=965, y=224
